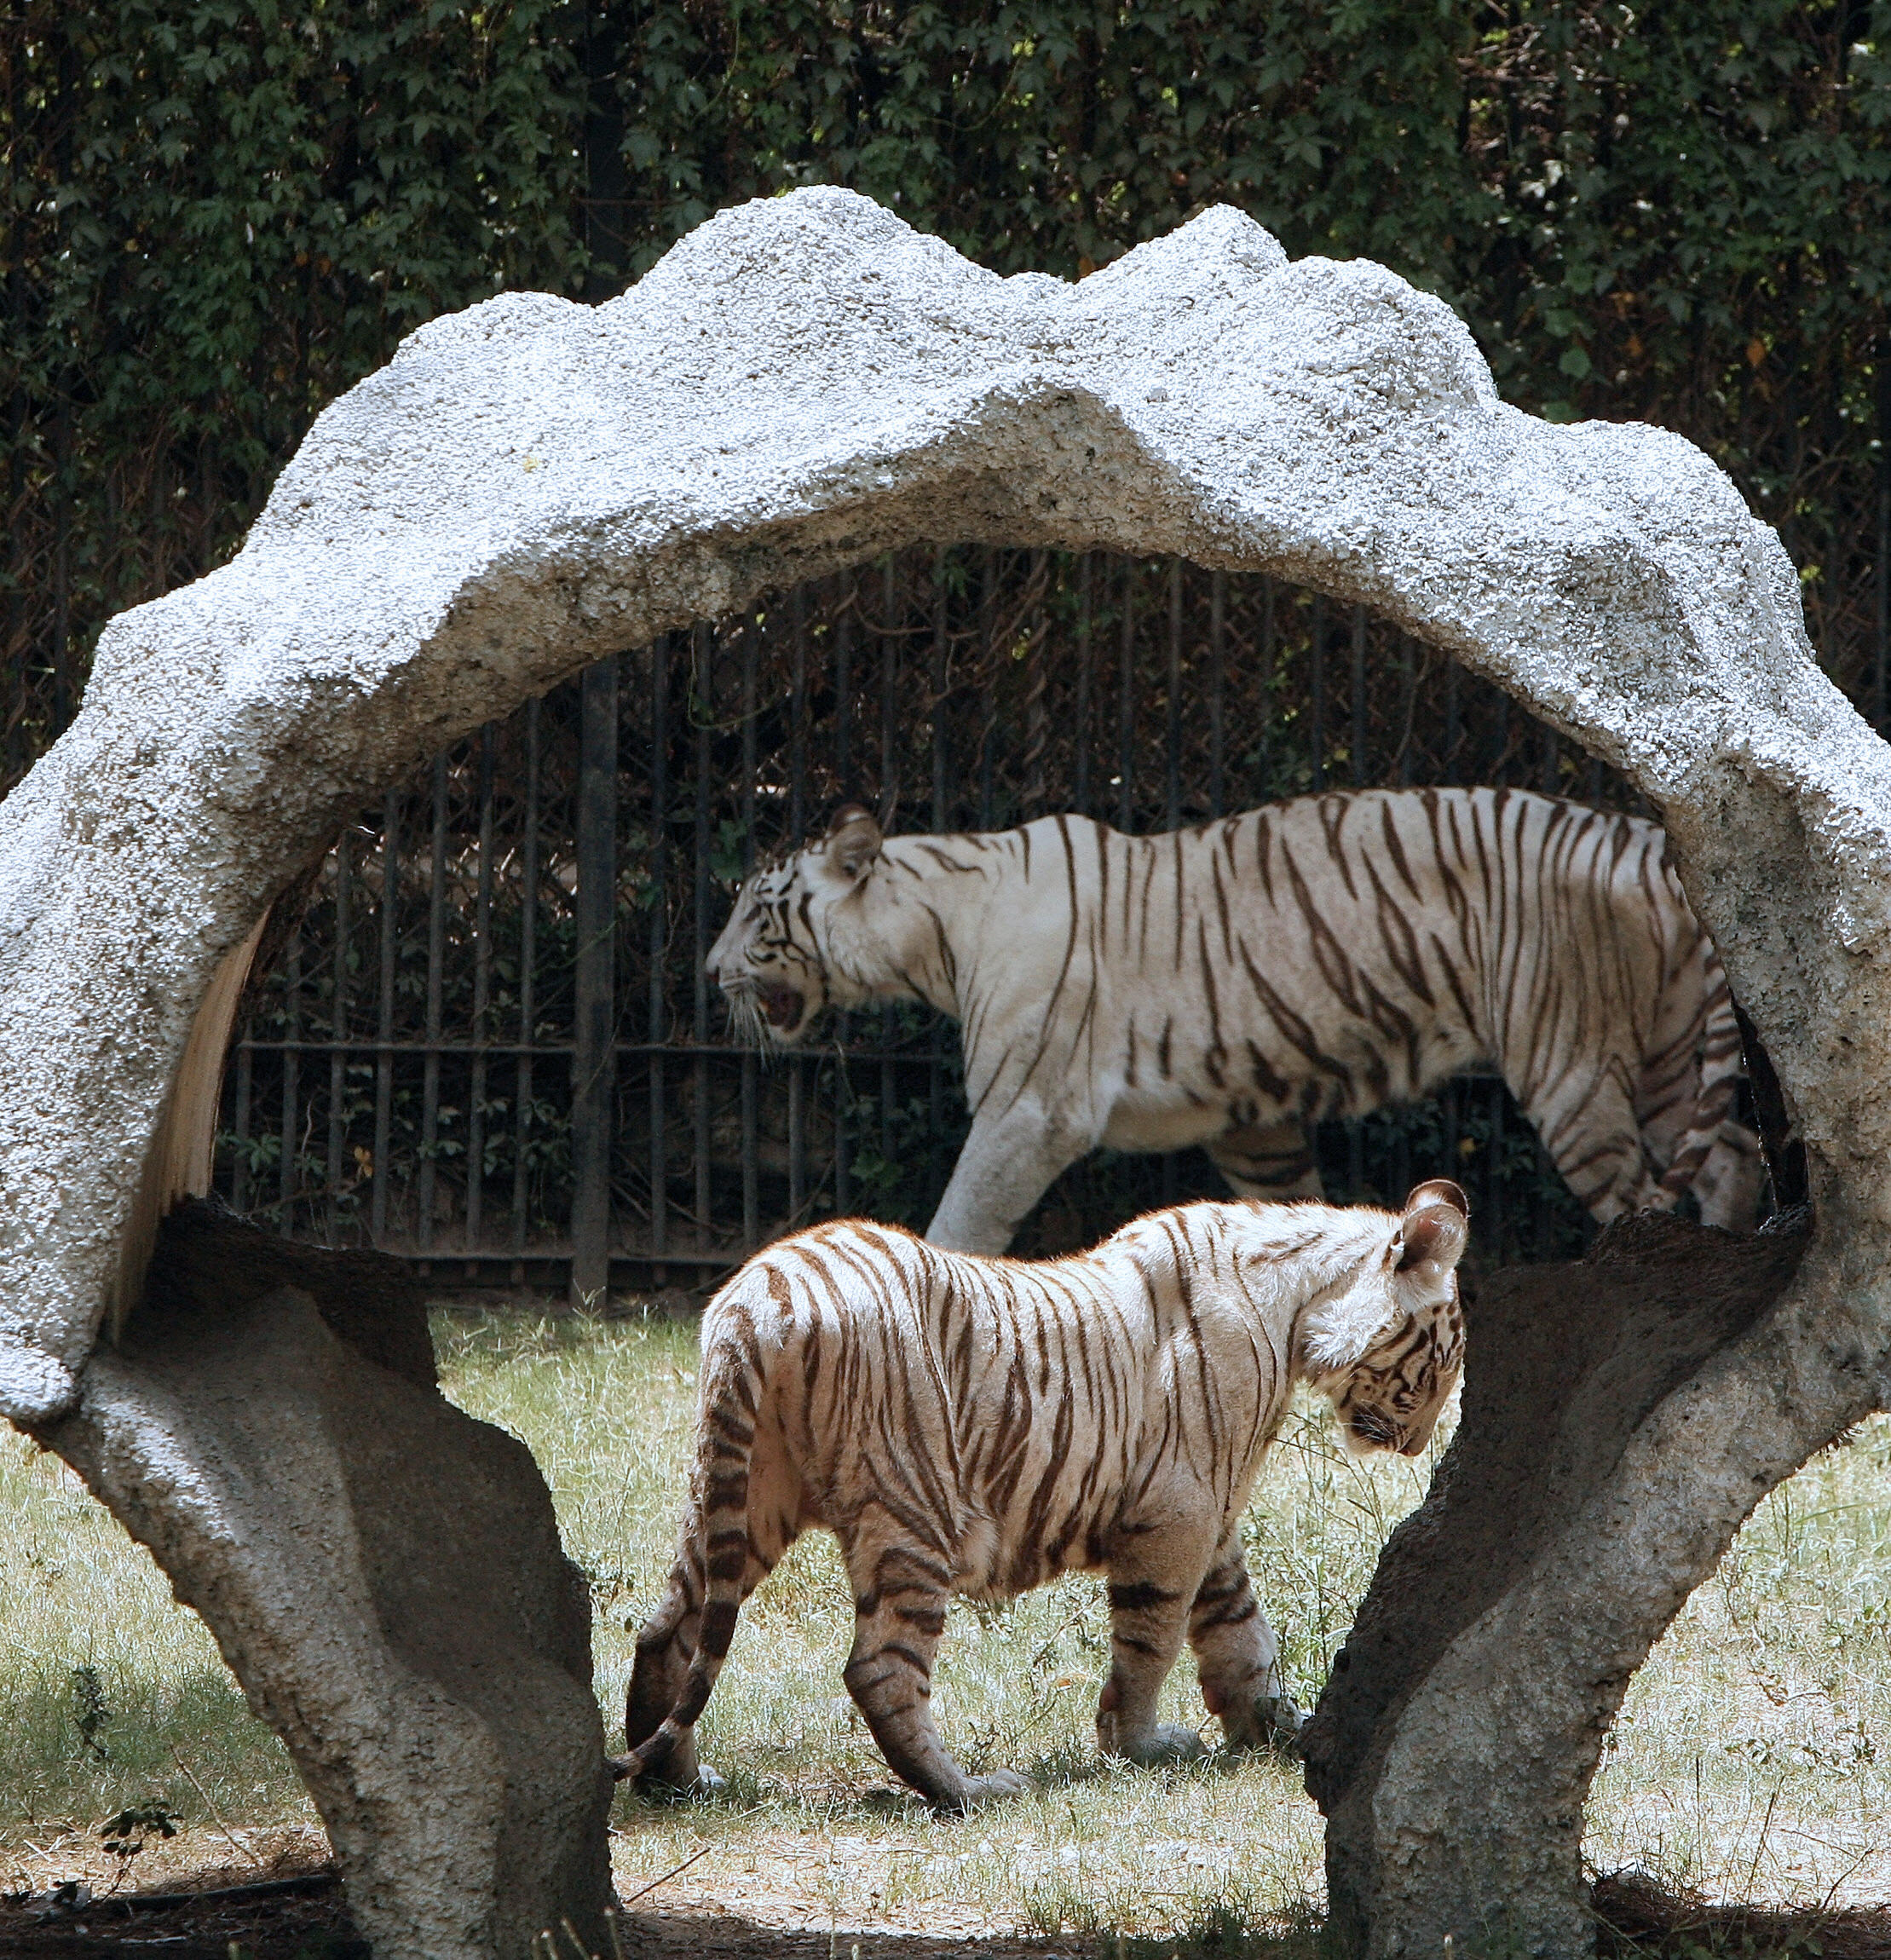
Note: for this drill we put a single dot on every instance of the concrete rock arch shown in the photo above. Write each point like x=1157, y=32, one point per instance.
x=801, y=383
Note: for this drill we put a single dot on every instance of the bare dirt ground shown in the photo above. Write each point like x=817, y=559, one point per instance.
x=230, y=1923
x=314, y=1925
x=282, y=1903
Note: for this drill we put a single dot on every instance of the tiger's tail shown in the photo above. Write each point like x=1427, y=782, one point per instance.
x=725, y=1443
x=1723, y=1063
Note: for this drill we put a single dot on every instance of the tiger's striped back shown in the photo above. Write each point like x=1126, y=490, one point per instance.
x=974, y=1425
x=1230, y=985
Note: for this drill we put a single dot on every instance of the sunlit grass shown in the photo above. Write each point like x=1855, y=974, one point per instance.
x=76, y=1594
x=1748, y=1761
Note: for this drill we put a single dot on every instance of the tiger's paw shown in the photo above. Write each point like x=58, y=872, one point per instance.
x=1166, y=1742
x=660, y=1787
x=1275, y=1724
x=1000, y=1786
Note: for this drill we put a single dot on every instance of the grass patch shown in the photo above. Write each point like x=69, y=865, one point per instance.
x=1752, y=1760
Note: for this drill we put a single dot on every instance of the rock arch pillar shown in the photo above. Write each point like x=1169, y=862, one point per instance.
x=801, y=384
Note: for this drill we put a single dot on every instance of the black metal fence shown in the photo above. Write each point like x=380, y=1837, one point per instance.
x=490, y=1043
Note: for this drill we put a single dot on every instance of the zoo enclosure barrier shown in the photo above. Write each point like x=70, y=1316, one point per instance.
x=489, y=1043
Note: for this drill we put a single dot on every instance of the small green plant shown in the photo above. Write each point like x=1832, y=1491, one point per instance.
x=127, y=1834
x=89, y=1714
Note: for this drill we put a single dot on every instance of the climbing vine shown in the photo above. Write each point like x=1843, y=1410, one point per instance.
x=216, y=215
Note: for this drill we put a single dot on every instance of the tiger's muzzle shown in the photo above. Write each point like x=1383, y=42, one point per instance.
x=769, y=1013
x=1377, y=1430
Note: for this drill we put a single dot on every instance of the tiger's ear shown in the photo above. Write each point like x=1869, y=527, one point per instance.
x=853, y=842
x=1435, y=1226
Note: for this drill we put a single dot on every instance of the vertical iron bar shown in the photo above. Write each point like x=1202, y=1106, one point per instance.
x=941, y=628
x=798, y=802
x=705, y=710
x=1217, y=665
x=1453, y=731
x=1881, y=668
x=890, y=776
x=384, y=1061
x=656, y=1029
x=1037, y=723
x=245, y=1085
x=888, y=690
x=64, y=499
x=482, y=1002
x=934, y=1069
x=798, y=722
x=1086, y=573
x=1317, y=683
x=1270, y=659
x=291, y=1032
x=1172, y=714
x=843, y=762
x=844, y=686
x=1408, y=700
x=749, y=654
x=1500, y=737
x=1358, y=707
x=594, y=977
x=1493, y=1202
x=798, y=1140
x=436, y=954
x=988, y=679
x=337, y=1033
x=752, y=1196
x=1550, y=763
x=1125, y=699
x=528, y=950
x=1172, y=757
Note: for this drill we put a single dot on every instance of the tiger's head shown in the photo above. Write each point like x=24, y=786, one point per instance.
x=1387, y=1348
x=770, y=959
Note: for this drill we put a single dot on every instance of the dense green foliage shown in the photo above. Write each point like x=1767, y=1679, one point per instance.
x=219, y=213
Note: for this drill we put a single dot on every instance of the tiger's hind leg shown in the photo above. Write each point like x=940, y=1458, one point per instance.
x=666, y=1644
x=1239, y=1658
x=1270, y=1161
x=1148, y=1615
x=1727, y=1186
x=1587, y=1125
x=901, y=1592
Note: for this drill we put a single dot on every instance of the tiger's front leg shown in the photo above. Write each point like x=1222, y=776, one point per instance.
x=1006, y=1165
x=901, y=1592
x=1239, y=1658
x=1149, y=1599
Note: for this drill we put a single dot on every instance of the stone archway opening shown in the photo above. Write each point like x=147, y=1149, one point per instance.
x=800, y=387
x=405, y=1066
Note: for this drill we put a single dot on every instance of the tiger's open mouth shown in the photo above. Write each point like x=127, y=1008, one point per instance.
x=781, y=1006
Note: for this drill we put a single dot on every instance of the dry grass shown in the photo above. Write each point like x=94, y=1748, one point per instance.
x=1747, y=1763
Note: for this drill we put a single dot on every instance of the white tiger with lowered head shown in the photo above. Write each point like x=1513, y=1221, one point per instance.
x=980, y=1425
x=1229, y=984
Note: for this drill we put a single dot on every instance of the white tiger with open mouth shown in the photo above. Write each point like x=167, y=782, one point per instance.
x=1230, y=985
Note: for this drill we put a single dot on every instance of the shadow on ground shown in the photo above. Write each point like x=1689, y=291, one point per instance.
x=1639, y=1920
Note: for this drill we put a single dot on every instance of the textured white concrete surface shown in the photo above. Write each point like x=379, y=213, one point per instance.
x=802, y=381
